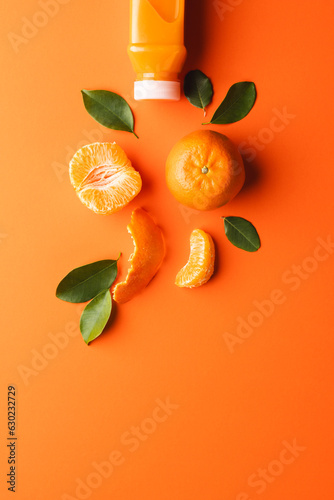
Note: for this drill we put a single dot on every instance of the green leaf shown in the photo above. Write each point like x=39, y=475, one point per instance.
x=198, y=89
x=109, y=109
x=83, y=283
x=95, y=316
x=241, y=233
x=237, y=104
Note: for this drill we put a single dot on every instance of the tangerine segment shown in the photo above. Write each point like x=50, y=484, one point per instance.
x=103, y=177
x=200, y=265
x=149, y=251
x=204, y=170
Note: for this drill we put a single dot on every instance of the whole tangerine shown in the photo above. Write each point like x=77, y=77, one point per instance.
x=204, y=170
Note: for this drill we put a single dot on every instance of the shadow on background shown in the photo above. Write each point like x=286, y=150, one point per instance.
x=194, y=32
x=253, y=175
x=112, y=319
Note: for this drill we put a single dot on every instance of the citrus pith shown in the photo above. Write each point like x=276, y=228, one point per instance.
x=103, y=177
x=200, y=266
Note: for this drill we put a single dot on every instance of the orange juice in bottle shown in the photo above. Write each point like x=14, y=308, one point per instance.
x=156, y=47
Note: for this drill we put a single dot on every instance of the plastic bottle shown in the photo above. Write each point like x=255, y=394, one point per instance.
x=156, y=47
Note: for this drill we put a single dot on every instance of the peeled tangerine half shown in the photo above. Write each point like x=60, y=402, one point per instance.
x=149, y=251
x=103, y=177
x=199, y=268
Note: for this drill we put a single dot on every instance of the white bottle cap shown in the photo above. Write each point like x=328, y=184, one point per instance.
x=157, y=89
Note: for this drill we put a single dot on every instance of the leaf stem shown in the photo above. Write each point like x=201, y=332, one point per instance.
x=134, y=133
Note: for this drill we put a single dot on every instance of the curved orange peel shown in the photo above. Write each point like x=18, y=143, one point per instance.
x=200, y=266
x=149, y=251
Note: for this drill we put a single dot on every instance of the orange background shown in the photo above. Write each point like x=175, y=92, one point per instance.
x=236, y=409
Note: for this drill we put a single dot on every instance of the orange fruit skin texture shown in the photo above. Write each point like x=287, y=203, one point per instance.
x=200, y=266
x=225, y=170
x=103, y=177
x=149, y=252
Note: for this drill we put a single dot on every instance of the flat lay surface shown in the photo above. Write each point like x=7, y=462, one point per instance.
x=221, y=392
